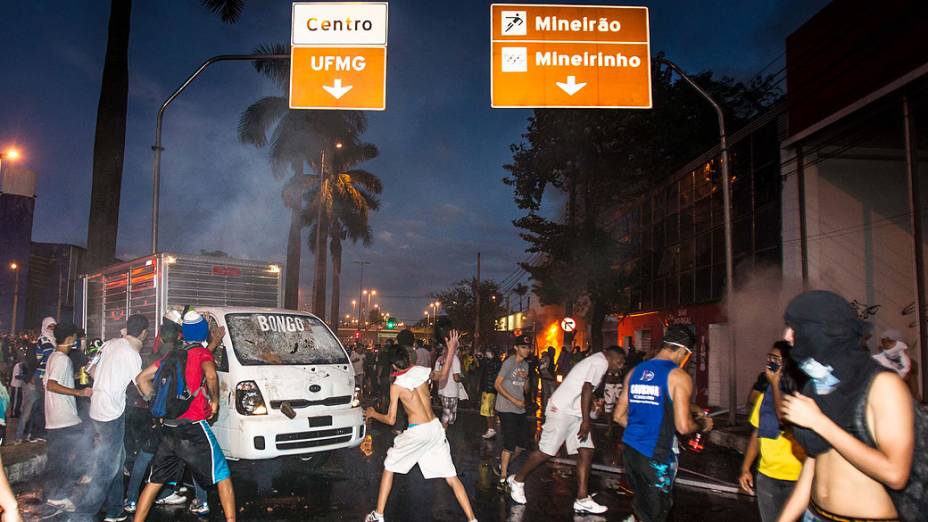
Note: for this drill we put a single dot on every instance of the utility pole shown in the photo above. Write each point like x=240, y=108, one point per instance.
x=726, y=216
x=362, y=264
x=477, y=307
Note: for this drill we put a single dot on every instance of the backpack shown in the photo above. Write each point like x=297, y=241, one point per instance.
x=171, y=397
x=912, y=501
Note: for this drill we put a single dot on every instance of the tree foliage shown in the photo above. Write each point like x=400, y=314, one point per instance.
x=601, y=159
x=459, y=305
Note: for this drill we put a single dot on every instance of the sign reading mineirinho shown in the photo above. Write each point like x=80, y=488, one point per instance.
x=569, y=56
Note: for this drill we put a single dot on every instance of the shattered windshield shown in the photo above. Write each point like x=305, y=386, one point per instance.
x=271, y=339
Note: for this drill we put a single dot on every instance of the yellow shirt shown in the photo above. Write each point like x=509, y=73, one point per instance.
x=777, y=459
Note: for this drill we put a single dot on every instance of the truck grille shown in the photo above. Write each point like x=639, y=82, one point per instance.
x=305, y=403
x=311, y=439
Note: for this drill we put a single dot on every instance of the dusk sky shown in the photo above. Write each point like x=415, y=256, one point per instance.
x=441, y=146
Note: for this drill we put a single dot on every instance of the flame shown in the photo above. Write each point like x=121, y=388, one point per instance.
x=550, y=336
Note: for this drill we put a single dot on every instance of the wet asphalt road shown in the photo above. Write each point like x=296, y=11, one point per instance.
x=344, y=488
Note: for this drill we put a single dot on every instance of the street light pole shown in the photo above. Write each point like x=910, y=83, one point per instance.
x=726, y=215
x=157, y=147
x=15, y=268
x=362, y=264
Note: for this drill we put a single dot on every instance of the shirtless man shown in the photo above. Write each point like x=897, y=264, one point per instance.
x=424, y=442
x=844, y=478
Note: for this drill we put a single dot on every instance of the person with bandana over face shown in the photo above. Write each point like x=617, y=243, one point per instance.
x=849, y=398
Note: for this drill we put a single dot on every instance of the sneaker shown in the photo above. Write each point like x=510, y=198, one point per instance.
x=118, y=518
x=517, y=490
x=63, y=504
x=588, y=505
x=489, y=434
x=129, y=507
x=174, y=499
x=200, y=509
x=374, y=516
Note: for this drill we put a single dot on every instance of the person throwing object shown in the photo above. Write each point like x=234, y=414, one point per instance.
x=424, y=442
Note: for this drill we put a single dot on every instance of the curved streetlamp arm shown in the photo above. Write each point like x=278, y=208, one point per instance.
x=156, y=167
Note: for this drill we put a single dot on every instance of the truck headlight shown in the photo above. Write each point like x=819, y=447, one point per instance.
x=356, y=398
x=248, y=399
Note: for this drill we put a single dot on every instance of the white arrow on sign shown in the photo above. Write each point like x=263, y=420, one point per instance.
x=337, y=90
x=571, y=87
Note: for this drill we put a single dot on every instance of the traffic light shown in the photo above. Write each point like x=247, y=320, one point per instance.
x=391, y=323
x=357, y=335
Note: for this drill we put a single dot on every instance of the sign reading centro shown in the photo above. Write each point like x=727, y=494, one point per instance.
x=569, y=56
x=338, y=57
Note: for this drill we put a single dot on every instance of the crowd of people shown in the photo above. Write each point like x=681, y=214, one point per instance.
x=106, y=412
x=836, y=433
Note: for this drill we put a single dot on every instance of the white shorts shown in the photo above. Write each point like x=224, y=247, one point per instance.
x=559, y=429
x=425, y=445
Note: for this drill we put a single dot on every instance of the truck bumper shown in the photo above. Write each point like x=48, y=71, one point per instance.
x=268, y=437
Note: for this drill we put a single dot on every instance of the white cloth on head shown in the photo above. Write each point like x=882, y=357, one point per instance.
x=413, y=378
x=60, y=409
x=47, y=330
x=425, y=445
x=895, y=359
x=566, y=399
x=119, y=365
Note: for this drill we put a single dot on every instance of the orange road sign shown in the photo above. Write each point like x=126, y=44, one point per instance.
x=338, y=55
x=338, y=78
x=569, y=56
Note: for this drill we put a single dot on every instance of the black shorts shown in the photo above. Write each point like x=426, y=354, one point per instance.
x=515, y=429
x=192, y=446
x=652, y=483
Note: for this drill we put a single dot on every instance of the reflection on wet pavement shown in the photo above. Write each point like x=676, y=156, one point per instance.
x=343, y=487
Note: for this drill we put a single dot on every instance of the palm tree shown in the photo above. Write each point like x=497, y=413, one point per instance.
x=110, y=134
x=349, y=197
x=297, y=138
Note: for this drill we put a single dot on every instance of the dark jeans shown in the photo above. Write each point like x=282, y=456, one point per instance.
x=652, y=483
x=108, y=456
x=62, y=471
x=772, y=495
x=16, y=401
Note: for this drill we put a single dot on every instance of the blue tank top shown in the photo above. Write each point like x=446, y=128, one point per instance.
x=650, y=429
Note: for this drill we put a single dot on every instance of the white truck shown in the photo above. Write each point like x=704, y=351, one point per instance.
x=286, y=383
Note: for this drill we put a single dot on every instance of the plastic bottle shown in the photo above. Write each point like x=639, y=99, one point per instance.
x=696, y=443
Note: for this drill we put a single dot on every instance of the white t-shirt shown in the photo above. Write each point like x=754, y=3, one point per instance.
x=16, y=381
x=120, y=363
x=449, y=387
x=60, y=410
x=567, y=396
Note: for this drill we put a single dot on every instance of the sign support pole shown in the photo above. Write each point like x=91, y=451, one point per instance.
x=729, y=263
x=156, y=166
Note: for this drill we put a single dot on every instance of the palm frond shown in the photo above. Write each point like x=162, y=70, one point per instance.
x=255, y=121
x=366, y=179
x=278, y=71
x=228, y=10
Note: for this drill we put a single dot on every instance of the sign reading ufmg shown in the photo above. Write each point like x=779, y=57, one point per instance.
x=338, y=57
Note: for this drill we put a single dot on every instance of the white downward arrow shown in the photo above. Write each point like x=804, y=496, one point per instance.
x=571, y=87
x=337, y=90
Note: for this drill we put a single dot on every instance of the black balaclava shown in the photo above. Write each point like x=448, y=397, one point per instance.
x=828, y=330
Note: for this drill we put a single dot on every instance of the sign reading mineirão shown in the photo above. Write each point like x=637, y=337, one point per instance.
x=569, y=56
x=338, y=57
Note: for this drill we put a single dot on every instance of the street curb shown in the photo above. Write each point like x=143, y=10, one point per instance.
x=26, y=470
x=731, y=440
